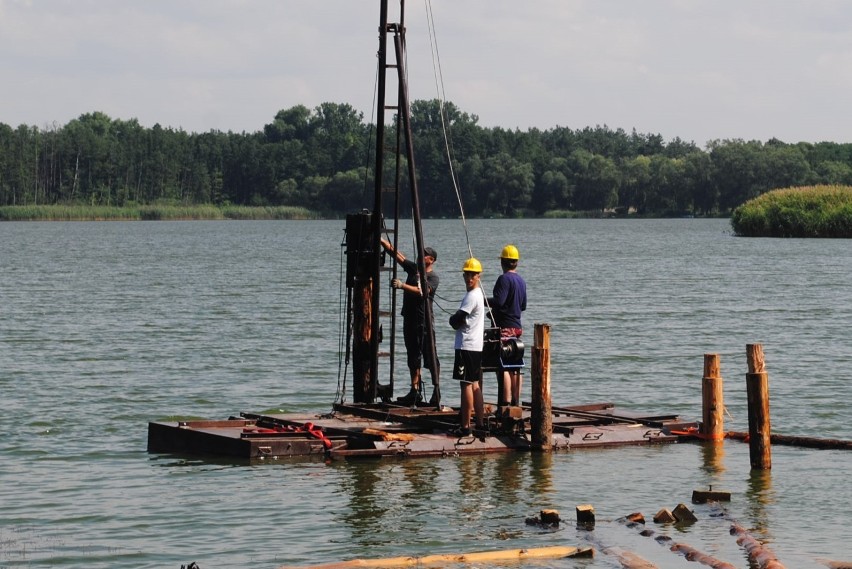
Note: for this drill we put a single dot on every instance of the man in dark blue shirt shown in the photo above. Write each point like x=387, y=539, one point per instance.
x=509, y=300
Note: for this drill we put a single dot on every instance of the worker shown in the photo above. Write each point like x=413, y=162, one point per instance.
x=418, y=345
x=508, y=301
x=469, y=324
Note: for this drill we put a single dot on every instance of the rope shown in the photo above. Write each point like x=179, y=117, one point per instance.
x=342, y=339
x=439, y=87
x=369, y=145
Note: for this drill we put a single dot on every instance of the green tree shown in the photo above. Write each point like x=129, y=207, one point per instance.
x=552, y=192
x=699, y=178
x=785, y=166
x=736, y=171
x=8, y=188
x=506, y=187
x=470, y=179
x=597, y=181
x=834, y=172
x=343, y=192
x=26, y=157
x=289, y=124
x=312, y=190
x=635, y=184
x=338, y=138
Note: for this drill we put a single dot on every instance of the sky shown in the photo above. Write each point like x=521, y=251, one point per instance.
x=698, y=70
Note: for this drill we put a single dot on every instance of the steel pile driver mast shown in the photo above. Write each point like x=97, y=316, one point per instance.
x=364, y=230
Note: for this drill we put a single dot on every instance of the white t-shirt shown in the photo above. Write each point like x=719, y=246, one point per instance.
x=469, y=335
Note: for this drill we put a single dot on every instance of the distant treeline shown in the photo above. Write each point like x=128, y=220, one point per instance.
x=153, y=212
x=322, y=159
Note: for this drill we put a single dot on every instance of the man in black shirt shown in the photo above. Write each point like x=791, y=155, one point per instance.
x=417, y=344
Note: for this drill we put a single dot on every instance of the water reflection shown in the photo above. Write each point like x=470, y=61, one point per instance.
x=474, y=487
x=205, y=462
x=362, y=483
x=713, y=455
x=541, y=476
x=509, y=476
x=760, y=497
x=474, y=497
x=421, y=478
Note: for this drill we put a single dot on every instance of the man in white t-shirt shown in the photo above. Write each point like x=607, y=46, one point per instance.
x=469, y=324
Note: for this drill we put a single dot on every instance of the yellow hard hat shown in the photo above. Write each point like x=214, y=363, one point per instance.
x=510, y=252
x=472, y=265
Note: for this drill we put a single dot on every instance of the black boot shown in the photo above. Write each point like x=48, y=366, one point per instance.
x=413, y=398
x=435, y=400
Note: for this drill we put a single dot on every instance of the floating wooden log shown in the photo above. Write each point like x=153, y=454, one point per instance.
x=832, y=564
x=792, y=440
x=630, y=560
x=627, y=559
x=554, y=552
x=688, y=551
x=758, y=554
x=693, y=554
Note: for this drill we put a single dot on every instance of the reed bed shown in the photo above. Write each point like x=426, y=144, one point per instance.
x=574, y=214
x=166, y=212
x=808, y=211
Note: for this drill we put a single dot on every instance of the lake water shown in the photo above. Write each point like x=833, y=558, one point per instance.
x=106, y=326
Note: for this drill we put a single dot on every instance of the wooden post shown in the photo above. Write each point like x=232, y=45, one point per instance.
x=759, y=430
x=541, y=414
x=586, y=516
x=712, y=400
x=362, y=271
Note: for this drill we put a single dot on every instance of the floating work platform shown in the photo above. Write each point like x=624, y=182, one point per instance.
x=380, y=430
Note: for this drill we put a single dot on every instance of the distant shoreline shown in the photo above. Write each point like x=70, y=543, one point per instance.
x=152, y=213
x=212, y=212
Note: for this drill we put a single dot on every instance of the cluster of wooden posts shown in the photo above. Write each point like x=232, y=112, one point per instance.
x=712, y=430
x=759, y=436
x=757, y=389
x=713, y=404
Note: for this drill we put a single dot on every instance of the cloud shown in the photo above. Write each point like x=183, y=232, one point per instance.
x=695, y=70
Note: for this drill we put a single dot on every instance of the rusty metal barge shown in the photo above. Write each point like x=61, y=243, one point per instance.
x=387, y=430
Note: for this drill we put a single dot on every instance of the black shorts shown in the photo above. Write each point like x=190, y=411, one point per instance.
x=417, y=346
x=467, y=367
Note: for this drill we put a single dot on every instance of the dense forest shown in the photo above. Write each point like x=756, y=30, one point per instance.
x=322, y=159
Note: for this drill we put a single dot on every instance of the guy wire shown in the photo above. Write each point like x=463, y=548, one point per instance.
x=439, y=87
